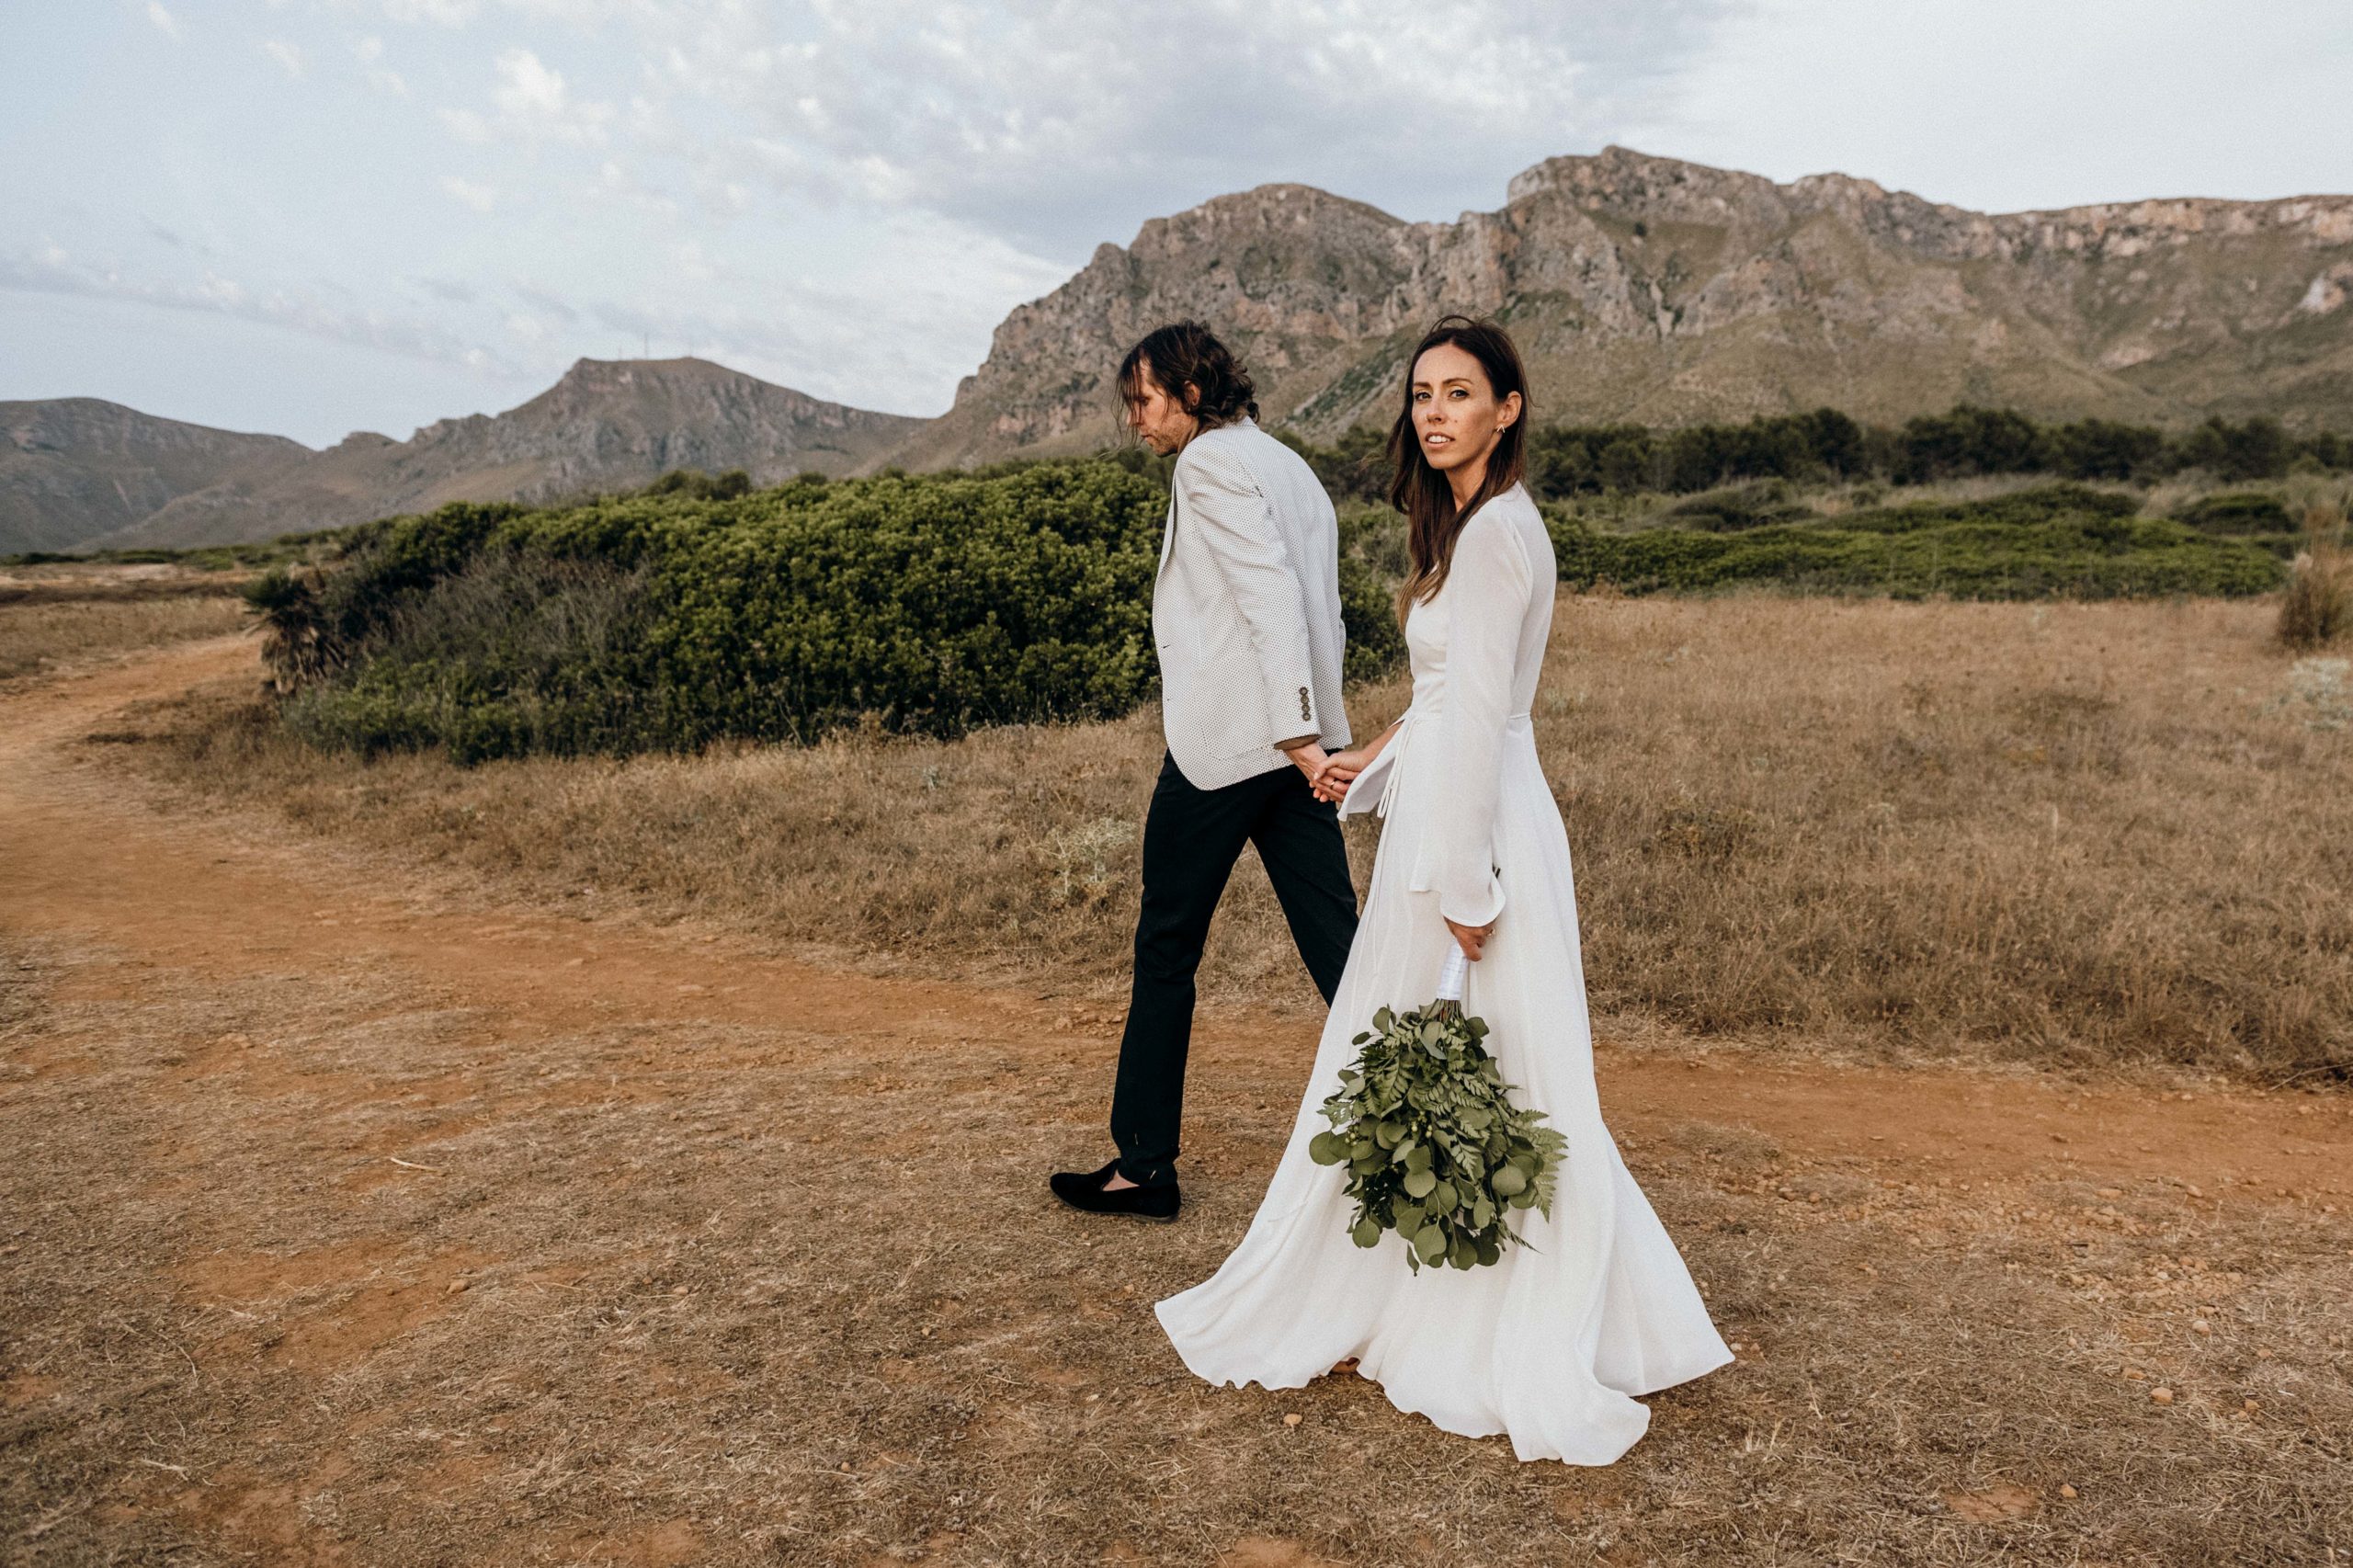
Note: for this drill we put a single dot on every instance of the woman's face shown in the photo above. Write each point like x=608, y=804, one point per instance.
x=1456, y=416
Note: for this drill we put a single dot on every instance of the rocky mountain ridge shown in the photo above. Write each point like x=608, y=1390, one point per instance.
x=73, y=468
x=606, y=425
x=1651, y=289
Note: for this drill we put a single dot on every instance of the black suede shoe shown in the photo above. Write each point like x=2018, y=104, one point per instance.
x=1084, y=1190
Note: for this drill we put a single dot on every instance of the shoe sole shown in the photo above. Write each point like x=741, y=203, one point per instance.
x=1115, y=1213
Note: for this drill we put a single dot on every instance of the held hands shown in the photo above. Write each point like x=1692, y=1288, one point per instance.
x=1308, y=755
x=1339, y=771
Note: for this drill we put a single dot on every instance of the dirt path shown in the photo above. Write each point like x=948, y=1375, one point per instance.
x=281, y=1111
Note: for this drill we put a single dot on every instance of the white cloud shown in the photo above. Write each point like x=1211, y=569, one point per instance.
x=163, y=18
x=288, y=57
x=472, y=193
x=380, y=77
x=1064, y=123
x=439, y=13
x=49, y=269
x=531, y=105
x=2009, y=104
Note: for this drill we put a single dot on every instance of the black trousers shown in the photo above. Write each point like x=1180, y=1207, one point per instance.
x=1191, y=838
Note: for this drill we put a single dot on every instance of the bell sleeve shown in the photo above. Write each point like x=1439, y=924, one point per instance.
x=1487, y=592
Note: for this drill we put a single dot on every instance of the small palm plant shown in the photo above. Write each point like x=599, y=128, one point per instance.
x=298, y=648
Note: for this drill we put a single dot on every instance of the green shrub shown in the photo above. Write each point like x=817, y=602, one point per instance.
x=681, y=616
x=1738, y=507
x=2238, y=511
x=515, y=653
x=703, y=486
x=2054, y=541
x=1567, y=460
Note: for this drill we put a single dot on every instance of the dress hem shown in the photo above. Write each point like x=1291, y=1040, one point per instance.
x=1497, y=1430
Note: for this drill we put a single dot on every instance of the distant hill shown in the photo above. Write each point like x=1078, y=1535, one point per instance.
x=607, y=425
x=74, y=468
x=1649, y=290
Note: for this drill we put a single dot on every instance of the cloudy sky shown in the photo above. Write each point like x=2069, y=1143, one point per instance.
x=314, y=216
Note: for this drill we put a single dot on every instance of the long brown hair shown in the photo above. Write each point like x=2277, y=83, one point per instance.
x=1186, y=354
x=1432, y=520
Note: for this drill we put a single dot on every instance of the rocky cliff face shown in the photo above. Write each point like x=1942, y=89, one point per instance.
x=1646, y=288
x=74, y=468
x=607, y=425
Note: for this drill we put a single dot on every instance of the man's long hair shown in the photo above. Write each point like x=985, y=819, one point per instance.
x=1432, y=521
x=1192, y=365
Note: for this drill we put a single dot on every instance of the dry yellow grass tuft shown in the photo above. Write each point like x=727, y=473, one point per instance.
x=2070, y=834
x=2316, y=609
x=46, y=630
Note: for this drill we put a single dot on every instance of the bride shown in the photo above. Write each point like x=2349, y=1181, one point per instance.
x=1552, y=1344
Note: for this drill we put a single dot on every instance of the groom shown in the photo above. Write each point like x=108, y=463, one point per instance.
x=1246, y=614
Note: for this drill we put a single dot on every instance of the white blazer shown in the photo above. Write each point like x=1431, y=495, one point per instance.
x=1247, y=607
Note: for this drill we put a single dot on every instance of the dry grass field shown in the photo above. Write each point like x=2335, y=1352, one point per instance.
x=55, y=615
x=2073, y=834
x=641, y=1164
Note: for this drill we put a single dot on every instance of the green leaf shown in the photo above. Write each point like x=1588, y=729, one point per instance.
x=1326, y=1149
x=1420, y=1183
x=1366, y=1233
x=1445, y=1199
x=1509, y=1181
x=1429, y=1244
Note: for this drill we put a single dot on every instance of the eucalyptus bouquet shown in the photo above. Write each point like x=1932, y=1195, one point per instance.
x=1435, y=1148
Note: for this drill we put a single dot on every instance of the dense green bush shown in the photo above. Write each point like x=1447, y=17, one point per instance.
x=689, y=613
x=703, y=486
x=1566, y=461
x=1738, y=507
x=278, y=551
x=2239, y=512
x=2252, y=517
x=2056, y=540
x=675, y=617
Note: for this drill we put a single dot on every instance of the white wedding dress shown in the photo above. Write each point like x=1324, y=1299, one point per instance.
x=1550, y=1345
